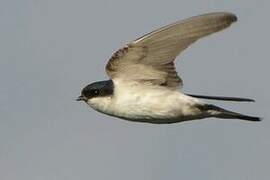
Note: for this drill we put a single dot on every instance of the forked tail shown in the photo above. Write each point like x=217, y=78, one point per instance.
x=218, y=112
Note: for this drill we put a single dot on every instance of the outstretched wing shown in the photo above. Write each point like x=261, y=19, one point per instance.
x=151, y=57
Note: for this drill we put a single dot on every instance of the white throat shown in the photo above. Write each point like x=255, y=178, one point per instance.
x=101, y=104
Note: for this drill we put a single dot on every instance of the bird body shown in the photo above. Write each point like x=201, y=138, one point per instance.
x=144, y=85
x=138, y=102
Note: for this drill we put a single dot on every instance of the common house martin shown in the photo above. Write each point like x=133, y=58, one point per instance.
x=144, y=85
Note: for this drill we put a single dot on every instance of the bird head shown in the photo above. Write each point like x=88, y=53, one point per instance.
x=96, y=90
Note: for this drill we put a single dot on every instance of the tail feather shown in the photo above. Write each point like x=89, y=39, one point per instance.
x=245, y=117
x=218, y=112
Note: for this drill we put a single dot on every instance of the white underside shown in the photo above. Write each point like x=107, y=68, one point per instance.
x=140, y=102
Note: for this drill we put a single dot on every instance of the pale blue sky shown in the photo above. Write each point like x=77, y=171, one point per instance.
x=50, y=49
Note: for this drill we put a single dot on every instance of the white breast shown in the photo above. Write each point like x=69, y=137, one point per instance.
x=138, y=101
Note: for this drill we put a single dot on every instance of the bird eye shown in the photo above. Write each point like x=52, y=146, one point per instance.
x=96, y=92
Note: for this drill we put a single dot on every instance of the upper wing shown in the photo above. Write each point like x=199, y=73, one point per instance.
x=150, y=58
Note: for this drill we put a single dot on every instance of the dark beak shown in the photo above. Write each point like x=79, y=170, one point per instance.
x=81, y=98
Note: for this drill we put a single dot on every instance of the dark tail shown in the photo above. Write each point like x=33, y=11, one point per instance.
x=215, y=111
x=245, y=117
x=222, y=98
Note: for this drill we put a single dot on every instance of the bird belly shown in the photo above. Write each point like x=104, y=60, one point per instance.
x=154, y=106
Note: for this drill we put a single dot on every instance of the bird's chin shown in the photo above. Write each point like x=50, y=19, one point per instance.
x=99, y=103
x=92, y=102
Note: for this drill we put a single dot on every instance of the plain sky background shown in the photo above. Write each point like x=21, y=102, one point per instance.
x=50, y=49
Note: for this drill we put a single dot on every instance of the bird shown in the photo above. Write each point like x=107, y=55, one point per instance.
x=144, y=85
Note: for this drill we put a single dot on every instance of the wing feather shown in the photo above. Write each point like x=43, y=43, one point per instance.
x=151, y=56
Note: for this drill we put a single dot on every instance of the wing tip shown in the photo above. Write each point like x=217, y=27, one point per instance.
x=227, y=16
x=232, y=17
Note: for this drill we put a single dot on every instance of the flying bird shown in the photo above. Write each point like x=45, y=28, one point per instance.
x=144, y=85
